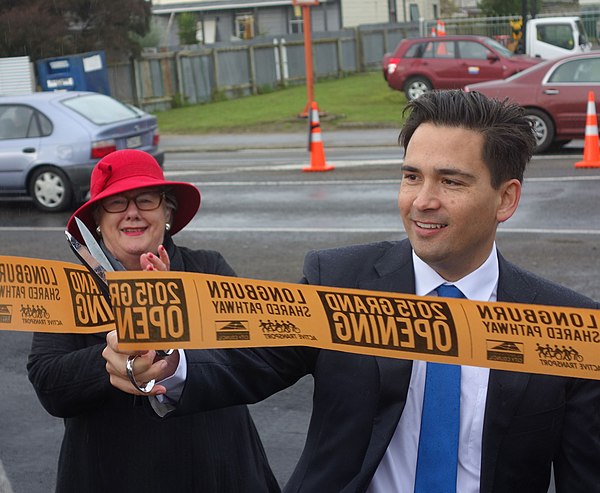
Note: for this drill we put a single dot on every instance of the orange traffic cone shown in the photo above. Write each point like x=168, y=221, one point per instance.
x=433, y=32
x=591, y=150
x=441, y=28
x=315, y=142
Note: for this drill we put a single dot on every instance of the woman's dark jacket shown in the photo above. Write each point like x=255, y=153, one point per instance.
x=111, y=442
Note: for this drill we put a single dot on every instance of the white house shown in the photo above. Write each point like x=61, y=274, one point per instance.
x=222, y=20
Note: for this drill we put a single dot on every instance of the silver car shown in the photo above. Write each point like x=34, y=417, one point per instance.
x=50, y=141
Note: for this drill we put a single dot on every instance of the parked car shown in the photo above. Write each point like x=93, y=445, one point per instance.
x=50, y=141
x=449, y=62
x=554, y=94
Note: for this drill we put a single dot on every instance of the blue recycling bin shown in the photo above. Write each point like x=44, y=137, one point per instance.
x=80, y=72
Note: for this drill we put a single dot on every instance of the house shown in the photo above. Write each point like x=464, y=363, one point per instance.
x=226, y=20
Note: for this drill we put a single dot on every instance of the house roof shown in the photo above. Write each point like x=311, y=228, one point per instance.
x=216, y=5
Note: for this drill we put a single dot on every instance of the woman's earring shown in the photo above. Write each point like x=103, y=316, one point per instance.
x=98, y=231
x=167, y=227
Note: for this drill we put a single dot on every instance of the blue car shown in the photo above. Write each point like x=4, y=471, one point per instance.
x=50, y=142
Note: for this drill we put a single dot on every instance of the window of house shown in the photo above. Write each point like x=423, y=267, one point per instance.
x=244, y=26
x=414, y=12
x=296, y=21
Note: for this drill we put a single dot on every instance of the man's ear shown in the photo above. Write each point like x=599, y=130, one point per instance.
x=510, y=194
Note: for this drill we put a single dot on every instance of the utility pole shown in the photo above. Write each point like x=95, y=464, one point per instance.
x=308, y=59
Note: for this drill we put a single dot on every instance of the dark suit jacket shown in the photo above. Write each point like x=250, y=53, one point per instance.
x=111, y=444
x=531, y=421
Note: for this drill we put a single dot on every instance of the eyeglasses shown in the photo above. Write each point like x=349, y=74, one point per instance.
x=146, y=201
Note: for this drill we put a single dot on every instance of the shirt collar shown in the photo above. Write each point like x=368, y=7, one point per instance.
x=479, y=285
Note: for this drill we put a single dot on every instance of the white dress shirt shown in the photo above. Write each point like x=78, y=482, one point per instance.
x=397, y=469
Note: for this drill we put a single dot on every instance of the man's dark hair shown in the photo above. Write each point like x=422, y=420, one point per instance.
x=508, y=135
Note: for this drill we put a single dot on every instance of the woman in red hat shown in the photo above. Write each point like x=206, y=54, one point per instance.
x=133, y=212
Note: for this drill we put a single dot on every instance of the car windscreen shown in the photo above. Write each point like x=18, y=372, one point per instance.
x=503, y=50
x=583, y=37
x=101, y=109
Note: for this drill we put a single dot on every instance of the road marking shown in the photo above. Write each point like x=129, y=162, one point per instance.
x=336, y=163
x=273, y=183
x=381, y=230
x=293, y=182
x=544, y=231
x=285, y=167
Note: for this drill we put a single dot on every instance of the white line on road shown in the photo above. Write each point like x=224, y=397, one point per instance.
x=544, y=231
x=292, y=183
x=284, y=167
x=273, y=183
x=336, y=163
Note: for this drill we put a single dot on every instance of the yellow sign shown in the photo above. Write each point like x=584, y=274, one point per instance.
x=49, y=296
x=191, y=311
x=159, y=310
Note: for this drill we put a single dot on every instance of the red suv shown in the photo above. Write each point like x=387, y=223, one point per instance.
x=449, y=62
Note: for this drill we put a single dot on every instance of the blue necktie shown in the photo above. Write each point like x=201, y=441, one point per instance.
x=438, y=442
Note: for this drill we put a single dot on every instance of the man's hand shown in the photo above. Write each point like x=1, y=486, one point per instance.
x=145, y=367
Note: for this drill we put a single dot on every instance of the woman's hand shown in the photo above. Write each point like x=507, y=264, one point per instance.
x=149, y=261
x=145, y=367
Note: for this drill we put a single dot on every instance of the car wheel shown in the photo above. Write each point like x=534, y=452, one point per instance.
x=543, y=128
x=50, y=189
x=415, y=86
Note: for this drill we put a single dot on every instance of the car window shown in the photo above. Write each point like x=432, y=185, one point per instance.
x=44, y=123
x=19, y=122
x=588, y=70
x=439, y=49
x=583, y=39
x=577, y=71
x=560, y=35
x=470, y=49
x=101, y=109
x=415, y=51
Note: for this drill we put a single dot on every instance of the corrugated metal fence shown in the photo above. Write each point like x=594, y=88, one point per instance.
x=162, y=80
x=16, y=76
x=165, y=79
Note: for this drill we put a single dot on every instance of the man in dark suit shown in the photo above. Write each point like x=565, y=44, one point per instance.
x=461, y=177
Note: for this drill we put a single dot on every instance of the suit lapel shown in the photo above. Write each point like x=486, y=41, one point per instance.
x=394, y=271
x=394, y=274
x=505, y=388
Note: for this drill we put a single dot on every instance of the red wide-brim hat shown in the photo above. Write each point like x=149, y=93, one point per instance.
x=131, y=169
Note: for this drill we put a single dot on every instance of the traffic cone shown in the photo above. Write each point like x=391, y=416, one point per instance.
x=315, y=142
x=433, y=32
x=441, y=28
x=591, y=149
x=441, y=31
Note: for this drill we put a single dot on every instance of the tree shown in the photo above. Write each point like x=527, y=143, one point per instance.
x=42, y=28
x=506, y=7
x=448, y=8
x=186, y=22
x=17, y=37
